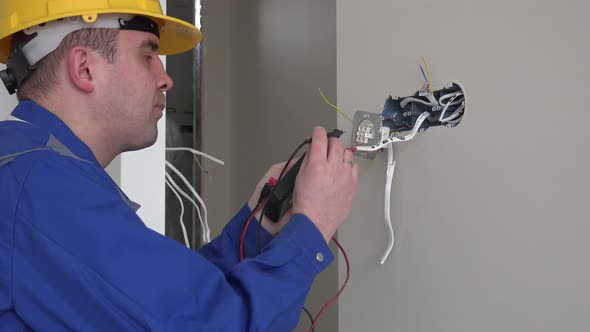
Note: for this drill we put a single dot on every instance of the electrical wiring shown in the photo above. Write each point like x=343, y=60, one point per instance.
x=204, y=224
x=245, y=228
x=311, y=329
x=387, y=214
x=310, y=316
x=424, y=74
x=453, y=96
x=458, y=113
x=429, y=74
x=182, y=226
x=366, y=170
x=442, y=114
x=431, y=101
x=457, y=116
x=390, y=140
x=185, y=195
x=451, y=102
x=202, y=218
x=335, y=107
x=399, y=119
x=197, y=153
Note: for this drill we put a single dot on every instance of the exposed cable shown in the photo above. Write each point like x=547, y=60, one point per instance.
x=310, y=316
x=431, y=101
x=245, y=229
x=197, y=153
x=444, y=111
x=366, y=170
x=424, y=74
x=341, y=288
x=185, y=195
x=429, y=75
x=204, y=223
x=387, y=214
x=182, y=226
x=334, y=106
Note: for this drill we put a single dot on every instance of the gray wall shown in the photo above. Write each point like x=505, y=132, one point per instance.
x=490, y=217
x=263, y=63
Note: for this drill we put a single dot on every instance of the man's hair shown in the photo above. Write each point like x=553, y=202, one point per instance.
x=43, y=79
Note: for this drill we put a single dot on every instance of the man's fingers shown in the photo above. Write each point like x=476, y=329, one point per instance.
x=348, y=157
x=319, y=145
x=355, y=173
x=335, y=150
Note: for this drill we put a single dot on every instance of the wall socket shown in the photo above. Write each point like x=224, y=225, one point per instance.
x=366, y=131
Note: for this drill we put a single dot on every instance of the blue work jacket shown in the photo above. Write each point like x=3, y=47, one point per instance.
x=74, y=255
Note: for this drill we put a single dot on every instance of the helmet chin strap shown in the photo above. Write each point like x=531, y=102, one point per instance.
x=45, y=38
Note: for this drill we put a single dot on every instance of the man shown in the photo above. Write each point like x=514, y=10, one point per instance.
x=73, y=253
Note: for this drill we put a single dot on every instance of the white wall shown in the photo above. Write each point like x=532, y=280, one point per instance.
x=142, y=179
x=491, y=217
x=7, y=102
x=141, y=176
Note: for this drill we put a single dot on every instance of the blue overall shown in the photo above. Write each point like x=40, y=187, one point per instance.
x=74, y=255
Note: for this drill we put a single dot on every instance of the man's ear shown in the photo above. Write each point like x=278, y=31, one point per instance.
x=81, y=65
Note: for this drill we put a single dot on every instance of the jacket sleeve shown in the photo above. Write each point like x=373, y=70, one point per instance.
x=83, y=260
x=224, y=250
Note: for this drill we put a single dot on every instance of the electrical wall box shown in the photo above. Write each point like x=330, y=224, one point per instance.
x=444, y=107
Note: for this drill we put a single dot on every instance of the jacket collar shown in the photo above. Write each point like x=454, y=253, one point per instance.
x=43, y=119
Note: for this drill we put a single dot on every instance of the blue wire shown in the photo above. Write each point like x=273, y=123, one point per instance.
x=424, y=74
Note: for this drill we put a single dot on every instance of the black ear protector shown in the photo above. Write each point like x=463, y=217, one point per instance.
x=18, y=67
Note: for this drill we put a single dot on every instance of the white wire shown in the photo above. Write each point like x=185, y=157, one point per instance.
x=195, y=205
x=186, y=241
x=442, y=114
x=185, y=195
x=449, y=95
x=458, y=113
x=390, y=140
x=388, y=183
x=431, y=101
x=203, y=219
x=204, y=223
x=197, y=153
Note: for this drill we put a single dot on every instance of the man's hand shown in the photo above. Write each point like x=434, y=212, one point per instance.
x=326, y=183
x=272, y=227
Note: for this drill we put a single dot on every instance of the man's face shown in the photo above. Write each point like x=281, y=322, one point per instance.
x=134, y=90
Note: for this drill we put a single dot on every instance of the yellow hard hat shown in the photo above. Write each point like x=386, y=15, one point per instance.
x=176, y=36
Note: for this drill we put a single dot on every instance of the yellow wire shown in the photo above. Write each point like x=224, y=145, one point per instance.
x=429, y=75
x=334, y=106
x=368, y=167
